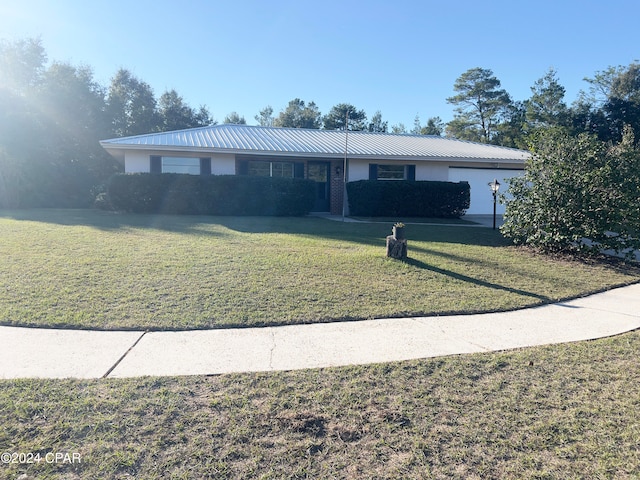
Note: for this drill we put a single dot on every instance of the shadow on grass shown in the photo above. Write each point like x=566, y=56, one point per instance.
x=465, y=278
x=113, y=221
x=371, y=234
x=312, y=227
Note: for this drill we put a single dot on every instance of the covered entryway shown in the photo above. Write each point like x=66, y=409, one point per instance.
x=479, y=178
x=319, y=173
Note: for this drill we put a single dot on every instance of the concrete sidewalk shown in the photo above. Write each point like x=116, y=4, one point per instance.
x=48, y=353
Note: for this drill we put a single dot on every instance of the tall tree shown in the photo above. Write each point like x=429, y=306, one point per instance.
x=265, y=117
x=613, y=101
x=175, y=114
x=417, y=128
x=585, y=117
x=434, y=126
x=73, y=108
x=376, y=124
x=337, y=117
x=463, y=128
x=49, y=132
x=511, y=130
x=480, y=103
x=73, y=104
x=626, y=84
x=297, y=114
x=22, y=65
x=22, y=68
x=600, y=86
x=132, y=106
x=203, y=117
x=623, y=105
x=235, y=118
x=398, y=129
x=546, y=107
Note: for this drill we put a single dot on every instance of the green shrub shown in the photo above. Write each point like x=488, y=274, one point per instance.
x=578, y=193
x=211, y=195
x=374, y=198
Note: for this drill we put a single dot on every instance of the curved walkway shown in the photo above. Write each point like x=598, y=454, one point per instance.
x=49, y=353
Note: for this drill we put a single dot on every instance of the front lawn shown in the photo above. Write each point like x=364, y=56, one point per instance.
x=92, y=269
x=554, y=412
x=561, y=411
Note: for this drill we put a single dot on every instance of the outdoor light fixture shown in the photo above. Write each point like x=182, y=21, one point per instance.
x=494, y=186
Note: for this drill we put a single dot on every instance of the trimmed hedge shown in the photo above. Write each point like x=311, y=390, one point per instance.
x=375, y=198
x=211, y=195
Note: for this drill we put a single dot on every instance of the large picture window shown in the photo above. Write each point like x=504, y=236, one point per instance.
x=186, y=165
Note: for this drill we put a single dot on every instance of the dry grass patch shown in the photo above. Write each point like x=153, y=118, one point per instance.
x=556, y=412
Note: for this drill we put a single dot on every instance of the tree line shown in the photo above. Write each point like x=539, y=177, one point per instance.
x=484, y=112
x=52, y=117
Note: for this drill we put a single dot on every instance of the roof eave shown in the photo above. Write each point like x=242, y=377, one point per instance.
x=117, y=150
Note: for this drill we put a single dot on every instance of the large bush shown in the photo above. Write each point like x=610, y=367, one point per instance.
x=577, y=193
x=375, y=198
x=211, y=195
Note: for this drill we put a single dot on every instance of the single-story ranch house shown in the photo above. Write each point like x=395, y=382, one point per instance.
x=320, y=155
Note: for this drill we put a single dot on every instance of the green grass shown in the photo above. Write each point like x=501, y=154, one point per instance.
x=557, y=412
x=91, y=269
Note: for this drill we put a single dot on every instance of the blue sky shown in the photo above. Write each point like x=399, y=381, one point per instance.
x=399, y=57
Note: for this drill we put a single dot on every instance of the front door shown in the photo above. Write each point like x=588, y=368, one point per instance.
x=319, y=172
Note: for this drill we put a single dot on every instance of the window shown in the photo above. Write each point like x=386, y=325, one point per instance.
x=392, y=172
x=186, y=165
x=282, y=169
x=260, y=169
x=271, y=169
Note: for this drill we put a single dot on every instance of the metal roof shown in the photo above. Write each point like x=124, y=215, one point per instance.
x=318, y=143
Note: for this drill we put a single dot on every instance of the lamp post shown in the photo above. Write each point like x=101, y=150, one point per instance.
x=494, y=186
